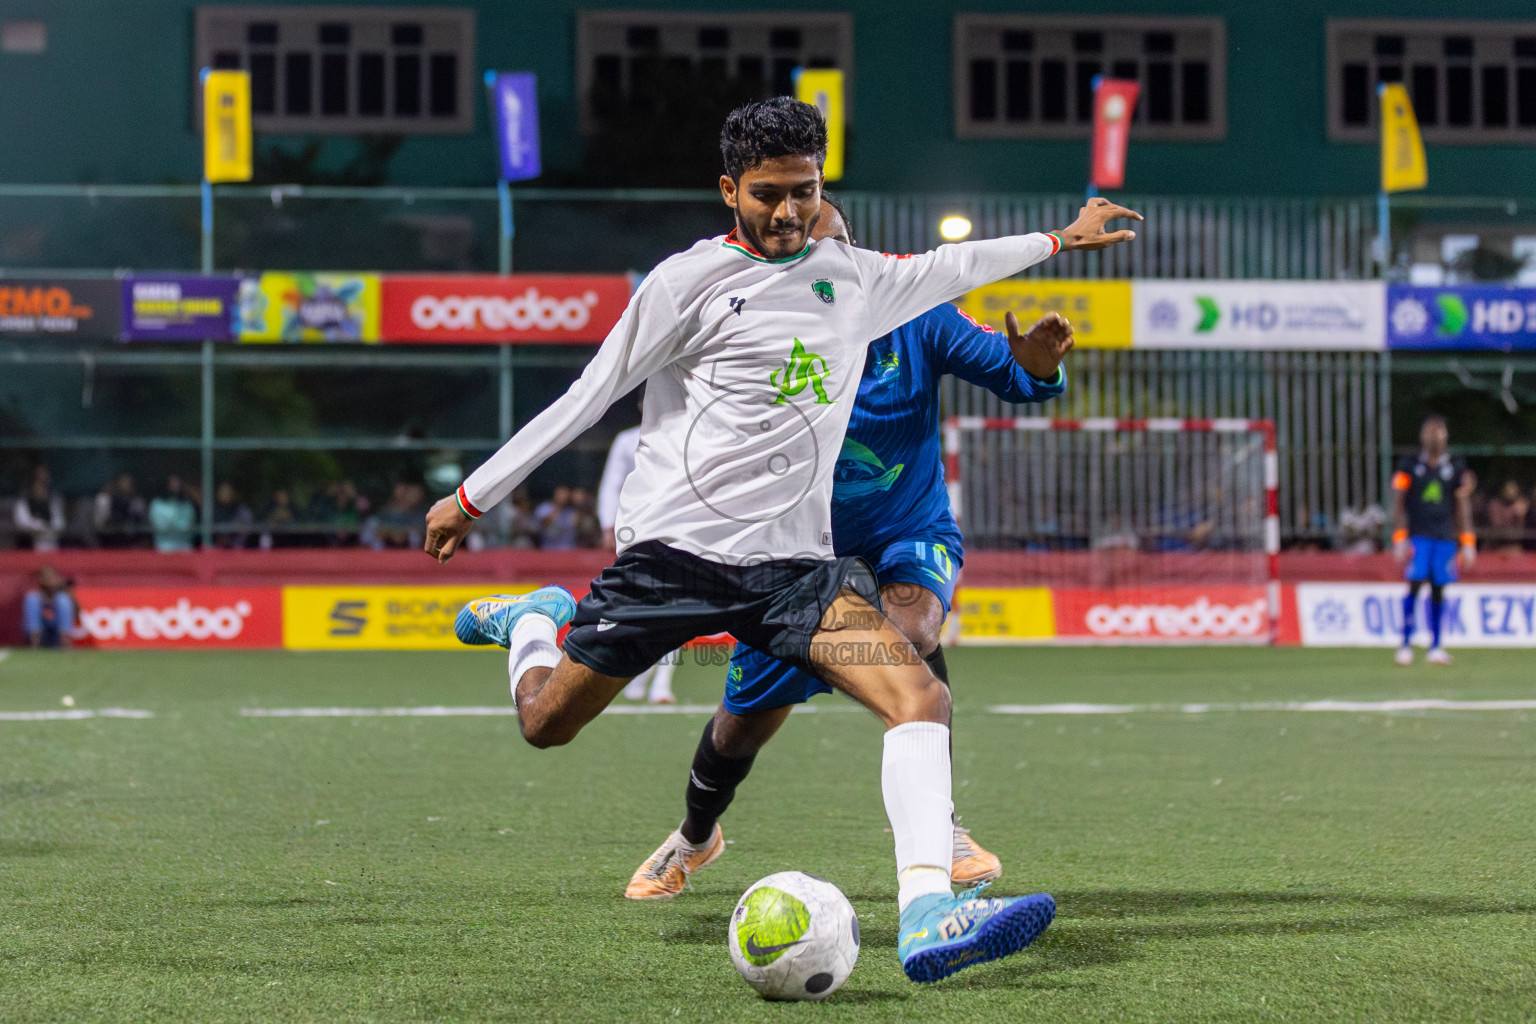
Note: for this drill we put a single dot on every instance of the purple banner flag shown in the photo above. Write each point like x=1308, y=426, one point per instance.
x=515, y=95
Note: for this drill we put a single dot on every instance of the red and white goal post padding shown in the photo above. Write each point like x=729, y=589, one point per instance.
x=1217, y=466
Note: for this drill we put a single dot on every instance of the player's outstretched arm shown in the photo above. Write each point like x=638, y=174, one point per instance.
x=645, y=339
x=1042, y=349
x=1018, y=367
x=901, y=288
x=1087, y=232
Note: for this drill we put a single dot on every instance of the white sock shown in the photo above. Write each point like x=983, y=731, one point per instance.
x=532, y=645
x=661, y=685
x=635, y=689
x=915, y=779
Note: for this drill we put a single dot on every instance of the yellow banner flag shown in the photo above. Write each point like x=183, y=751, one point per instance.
x=226, y=126
x=1402, y=150
x=823, y=89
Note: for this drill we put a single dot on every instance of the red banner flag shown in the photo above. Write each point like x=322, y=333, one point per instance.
x=1114, y=99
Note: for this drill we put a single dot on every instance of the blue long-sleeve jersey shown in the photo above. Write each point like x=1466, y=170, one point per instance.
x=890, y=473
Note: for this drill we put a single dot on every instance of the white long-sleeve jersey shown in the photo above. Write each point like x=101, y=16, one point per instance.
x=621, y=463
x=753, y=365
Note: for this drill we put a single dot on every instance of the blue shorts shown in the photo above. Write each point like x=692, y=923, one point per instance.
x=1433, y=560
x=758, y=682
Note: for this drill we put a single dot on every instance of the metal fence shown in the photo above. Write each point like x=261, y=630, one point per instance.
x=1312, y=239
x=292, y=227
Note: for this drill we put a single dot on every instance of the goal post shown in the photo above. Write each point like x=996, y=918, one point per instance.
x=1116, y=531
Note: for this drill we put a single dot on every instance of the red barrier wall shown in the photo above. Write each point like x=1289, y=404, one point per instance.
x=575, y=569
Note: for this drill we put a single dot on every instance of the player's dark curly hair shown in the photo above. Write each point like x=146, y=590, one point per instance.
x=781, y=126
x=836, y=203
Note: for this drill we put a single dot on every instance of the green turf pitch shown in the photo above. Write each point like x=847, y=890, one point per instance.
x=1236, y=866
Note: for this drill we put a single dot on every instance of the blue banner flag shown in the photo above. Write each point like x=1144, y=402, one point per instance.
x=515, y=95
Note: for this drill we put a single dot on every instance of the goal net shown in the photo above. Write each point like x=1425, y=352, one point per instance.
x=1117, y=531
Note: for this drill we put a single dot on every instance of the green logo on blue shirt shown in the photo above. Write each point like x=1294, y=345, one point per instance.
x=860, y=472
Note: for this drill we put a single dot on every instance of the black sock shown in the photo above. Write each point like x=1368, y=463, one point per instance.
x=940, y=671
x=936, y=664
x=711, y=786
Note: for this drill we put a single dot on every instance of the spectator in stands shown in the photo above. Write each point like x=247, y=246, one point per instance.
x=39, y=513
x=48, y=611
x=232, y=518
x=509, y=524
x=1507, y=513
x=340, y=509
x=398, y=523
x=589, y=532
x=172, y=517
x=1360, y=531
x=1310, y=528
x=1115, y=536
x=557, y=521
x=120, y=515
x=278, y=524
x=523, y=530
x=1530, y=521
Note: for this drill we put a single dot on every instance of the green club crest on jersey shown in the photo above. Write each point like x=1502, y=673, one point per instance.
x=823, y=290
x=803, y=368
x=768, y=923
x=1433, y=494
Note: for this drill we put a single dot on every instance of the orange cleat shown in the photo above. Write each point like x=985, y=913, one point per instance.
x=972, y=864
x=665, y=872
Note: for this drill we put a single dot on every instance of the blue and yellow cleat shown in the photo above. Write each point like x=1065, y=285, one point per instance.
x=943, y=934
x=489, y=620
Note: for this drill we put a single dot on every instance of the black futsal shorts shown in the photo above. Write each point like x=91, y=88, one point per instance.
x=655, y=598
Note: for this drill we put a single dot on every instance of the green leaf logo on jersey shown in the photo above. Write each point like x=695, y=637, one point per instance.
x=824, y=292
x=1433, y=493
x=803, y=368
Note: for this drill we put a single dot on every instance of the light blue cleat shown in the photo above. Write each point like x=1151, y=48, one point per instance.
x=489, y=620
x=943, y=934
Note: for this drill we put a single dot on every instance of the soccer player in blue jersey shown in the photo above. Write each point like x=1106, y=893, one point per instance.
x=1432, y=520
x=889, y=507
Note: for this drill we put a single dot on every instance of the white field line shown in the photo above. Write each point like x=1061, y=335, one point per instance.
x=5, y=652
x=72, y=715
x=500, y=710
x=1386, y=707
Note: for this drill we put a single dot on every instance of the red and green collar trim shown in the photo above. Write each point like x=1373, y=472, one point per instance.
x=732, y=242
x=1055, y=242
x=464, y=504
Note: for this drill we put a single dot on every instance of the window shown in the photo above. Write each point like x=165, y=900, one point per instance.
x=1471, y=82
x=347, y=69
x=1025, y=76
x=640, y=60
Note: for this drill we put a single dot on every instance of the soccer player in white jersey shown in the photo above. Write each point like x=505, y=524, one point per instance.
x=752, y=347
x=655, y=683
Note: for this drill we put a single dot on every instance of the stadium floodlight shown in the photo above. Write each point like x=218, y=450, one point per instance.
x=1161, y=530
x=955, y=227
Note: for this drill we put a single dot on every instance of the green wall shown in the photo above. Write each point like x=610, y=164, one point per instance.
x=110, y=101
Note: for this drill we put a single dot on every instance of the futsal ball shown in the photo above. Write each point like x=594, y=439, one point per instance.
x=794, y=936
